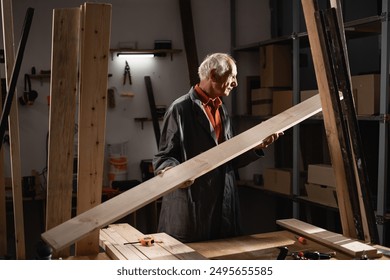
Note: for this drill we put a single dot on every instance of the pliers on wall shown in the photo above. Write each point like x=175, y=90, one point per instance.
x=127, y=74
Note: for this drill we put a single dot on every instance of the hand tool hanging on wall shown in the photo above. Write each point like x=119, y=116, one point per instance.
x=29, y=95
x=127, y=74
x=15, y=72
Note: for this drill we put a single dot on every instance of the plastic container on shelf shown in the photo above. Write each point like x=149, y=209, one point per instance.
x=117, y=159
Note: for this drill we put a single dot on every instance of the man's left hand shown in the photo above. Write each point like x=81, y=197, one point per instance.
x=269, y=140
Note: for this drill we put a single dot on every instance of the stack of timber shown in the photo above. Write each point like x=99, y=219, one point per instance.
x=120, y=242
x=351, y=247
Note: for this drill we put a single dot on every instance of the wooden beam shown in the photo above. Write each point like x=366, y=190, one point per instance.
x=189, y=38
x=148, y=191
x=95, y=47
x=13, y=125
x=152, y=106
x=330, y=122
x=333, y=240
x=63, y=91
x=362, y=192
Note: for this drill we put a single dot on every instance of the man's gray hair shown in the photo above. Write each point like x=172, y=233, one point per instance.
x=221, y=62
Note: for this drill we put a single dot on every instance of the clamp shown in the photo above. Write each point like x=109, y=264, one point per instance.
x=126, y=74
x=144, y=241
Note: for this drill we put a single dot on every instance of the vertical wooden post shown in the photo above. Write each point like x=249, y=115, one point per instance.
x=13, y=124
x=3, y=213
x=189, y=40
x=335, y=149
x=63, y=91
x=95, y=41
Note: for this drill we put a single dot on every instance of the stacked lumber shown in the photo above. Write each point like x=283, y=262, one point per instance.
x=120, y=242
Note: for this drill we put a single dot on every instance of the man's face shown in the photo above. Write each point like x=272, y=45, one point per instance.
x=224, y=84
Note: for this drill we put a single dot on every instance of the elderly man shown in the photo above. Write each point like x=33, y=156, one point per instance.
x=207, y=208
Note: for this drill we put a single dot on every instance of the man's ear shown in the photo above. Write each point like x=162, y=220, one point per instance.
x=214, y=76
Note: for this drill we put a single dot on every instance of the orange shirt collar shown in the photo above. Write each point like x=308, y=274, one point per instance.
x=206, y=100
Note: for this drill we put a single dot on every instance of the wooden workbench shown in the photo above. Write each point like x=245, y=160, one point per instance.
x=120, y=242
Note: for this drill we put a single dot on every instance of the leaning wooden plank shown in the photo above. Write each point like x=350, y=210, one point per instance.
x=148, y=191
x=242, y=245
x=335, y=149
x=13, y=124
x=95, y=45
x=3, y=212
x=63, y=91
x=363, y=195
x=338, y=242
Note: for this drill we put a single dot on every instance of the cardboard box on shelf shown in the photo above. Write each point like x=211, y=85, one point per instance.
x=321, y=194
x=282, y=100
x=275, y=66
x=367, y=93
x=277, y=180
x=321, y=174
x=306, y=94
x=261, y=101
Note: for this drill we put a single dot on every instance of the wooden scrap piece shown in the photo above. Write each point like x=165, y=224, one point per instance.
x=63, y=91
x=148, y=191
x=95, y=45
x=336, y=241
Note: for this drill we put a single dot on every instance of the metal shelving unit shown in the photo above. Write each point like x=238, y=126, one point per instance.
x=377, y=25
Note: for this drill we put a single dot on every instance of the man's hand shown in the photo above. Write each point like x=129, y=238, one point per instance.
x=269, y=140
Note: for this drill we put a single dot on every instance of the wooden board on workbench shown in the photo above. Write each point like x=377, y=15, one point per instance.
x=116, y=238
x=13, y=123
x=336, y=241
x=95, y=46
x=242, y=247
x=63, y=86
x=148, y=191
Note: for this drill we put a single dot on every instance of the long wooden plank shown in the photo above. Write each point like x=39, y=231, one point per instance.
x=3, y=212
x=335, y=149
x=148, y=191
x=187, y=26
x=63, y=91
x=338, y=242
x=337, y=78
x=95, y=45
x=152, y=106
x=363, y=195
x=13, y=124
